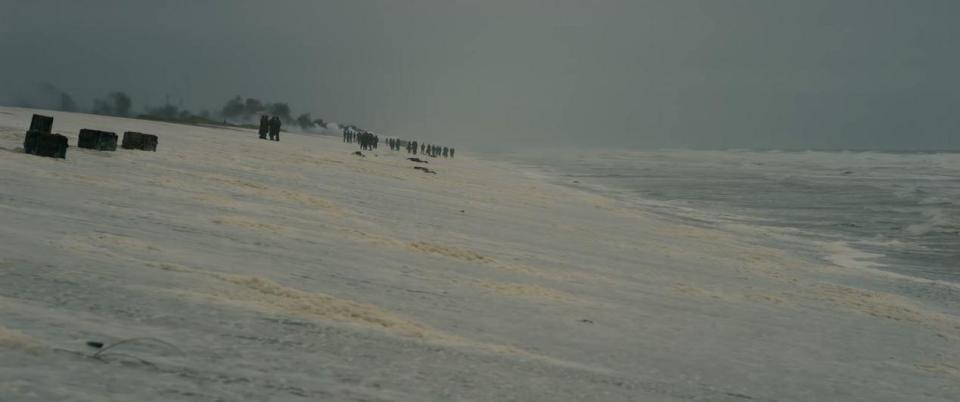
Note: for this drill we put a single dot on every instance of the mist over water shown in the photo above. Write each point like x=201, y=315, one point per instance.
x=893, y=211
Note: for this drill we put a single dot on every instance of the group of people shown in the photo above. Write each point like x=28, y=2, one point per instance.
x=435, y=151
x=270, y=126
x=368, y=141
x=394, y=143
x=413, y=147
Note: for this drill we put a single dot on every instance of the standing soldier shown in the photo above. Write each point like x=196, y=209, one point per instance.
x=451, y=153
x=275, y=128
x=264, y=123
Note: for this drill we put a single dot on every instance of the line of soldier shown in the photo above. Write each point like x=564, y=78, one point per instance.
x=435, y=151
x=411, y=147
x=270, y=126
x=394, y=143
x=368, y=141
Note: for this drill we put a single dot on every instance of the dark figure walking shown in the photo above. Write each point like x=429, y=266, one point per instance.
x=264, y=126
x=275, y=128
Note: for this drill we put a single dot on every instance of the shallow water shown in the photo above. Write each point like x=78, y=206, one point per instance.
x=894, y=211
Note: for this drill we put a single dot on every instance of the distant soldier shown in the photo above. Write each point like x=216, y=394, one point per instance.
x=446, y=152
x=264, y=126
x=275, y=128
x=451, y=153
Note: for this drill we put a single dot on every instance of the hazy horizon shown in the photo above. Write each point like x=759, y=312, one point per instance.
x=877, y=75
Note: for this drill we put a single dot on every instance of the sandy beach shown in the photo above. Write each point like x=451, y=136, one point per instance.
x=294, y=270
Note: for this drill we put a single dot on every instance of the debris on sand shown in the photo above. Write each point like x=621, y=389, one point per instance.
x=41, y=141
x=425, y=169
x=97, y=140
x=141, y=141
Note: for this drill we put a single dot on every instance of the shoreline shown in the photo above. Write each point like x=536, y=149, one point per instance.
x=881, y=250
x=297, y=270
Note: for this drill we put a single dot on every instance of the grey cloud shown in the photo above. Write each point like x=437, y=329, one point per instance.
x=671, y=73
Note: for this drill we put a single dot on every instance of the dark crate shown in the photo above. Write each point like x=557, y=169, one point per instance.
x=96, y=139
x=31, y=141
x=132, y=140
x=45, y=144
x=150, y=142
x=41, y=123
x=53, y=145
x=135, y=140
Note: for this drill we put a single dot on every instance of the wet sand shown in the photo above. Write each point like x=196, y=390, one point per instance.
x=298, y=271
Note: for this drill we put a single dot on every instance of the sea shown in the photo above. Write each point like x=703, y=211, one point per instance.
x=893, y=211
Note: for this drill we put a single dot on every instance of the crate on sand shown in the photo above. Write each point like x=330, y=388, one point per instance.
x=41, y=142
x=141, y=141
x=98, y=140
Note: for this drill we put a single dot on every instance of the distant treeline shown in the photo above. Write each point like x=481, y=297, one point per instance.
x=237, y=111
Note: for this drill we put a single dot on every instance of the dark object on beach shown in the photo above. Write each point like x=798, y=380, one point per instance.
x=141, y=141
x=358, y=153
x=586, y=321
x=39, y=140
x=418, y=160
x=425, y=169
x=98, y=140
x=45, y=144
x=31, y=140
x=53, y=145
x=95, y=344
x=274, y=128
x=41, y=123
x=264, y=126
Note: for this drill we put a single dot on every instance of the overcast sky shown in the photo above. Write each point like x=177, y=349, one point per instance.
x=867, y=74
